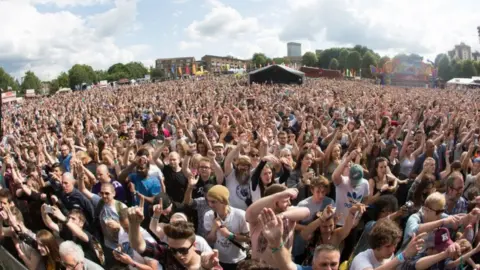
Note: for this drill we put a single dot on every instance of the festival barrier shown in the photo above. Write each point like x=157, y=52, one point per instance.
x=8, y=262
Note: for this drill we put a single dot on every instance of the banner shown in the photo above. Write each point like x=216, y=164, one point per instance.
x=194, y=69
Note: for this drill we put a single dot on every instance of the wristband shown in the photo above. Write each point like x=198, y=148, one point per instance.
x=401, y=257
x=279, y=247
x=156, y=218
x=231, y=236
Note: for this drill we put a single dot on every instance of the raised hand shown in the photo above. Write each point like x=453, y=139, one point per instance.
x=272, y=227
x=192, y=181
x=158, y=208
x=210, y=260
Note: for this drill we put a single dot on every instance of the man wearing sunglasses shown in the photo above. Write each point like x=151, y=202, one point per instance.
x=179, y=253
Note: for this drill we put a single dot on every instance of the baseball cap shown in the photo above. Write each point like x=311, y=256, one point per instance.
x=218, y=145
x=356, y=173
x=442, y=239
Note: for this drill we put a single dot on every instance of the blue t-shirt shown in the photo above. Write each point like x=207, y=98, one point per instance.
x=149, y=187
x=65, y=162
x=299, y=267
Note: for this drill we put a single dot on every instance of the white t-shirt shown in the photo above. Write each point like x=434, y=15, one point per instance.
x=235, y=222
x=239, y=193
x=345, y=195
x=366, y=259
x=154, y=171
x=125, y=243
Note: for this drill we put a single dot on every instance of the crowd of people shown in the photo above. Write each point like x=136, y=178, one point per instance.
x=217, y=174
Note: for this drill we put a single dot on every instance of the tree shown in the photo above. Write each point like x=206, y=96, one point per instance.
x=259, y=59
x=101, y=75
x=342, y=59
x=79, y=74
x=368, y=60
x=456, y=68
x=477, y=66
x=136, y=70
x=54, y=86
x=327, y=55
x=354, y=60
x=438, y=58
x=157, y=73
x=309, y=59
x=31, y=81
x=63, y=80
x=382, y=61
x=444, y=70
x=468, y=69
x=7, y=81
x=333, y=64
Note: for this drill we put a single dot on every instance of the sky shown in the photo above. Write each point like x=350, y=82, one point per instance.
x=49, y=36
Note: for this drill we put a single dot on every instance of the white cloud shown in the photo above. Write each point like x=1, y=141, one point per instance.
x=177, y=13
x=221, y=21
x=49, y=43
x=180, y=1
x=425, y=27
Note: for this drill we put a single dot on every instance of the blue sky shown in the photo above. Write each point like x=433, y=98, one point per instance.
x=49, y=36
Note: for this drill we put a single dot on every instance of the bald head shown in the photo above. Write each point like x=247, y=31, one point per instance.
x=103, y=174
x=68, y=182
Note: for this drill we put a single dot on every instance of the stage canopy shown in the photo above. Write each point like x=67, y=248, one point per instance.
x=276, y=74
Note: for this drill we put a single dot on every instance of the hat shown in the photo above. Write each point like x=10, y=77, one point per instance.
x=356, y=173
x=218, y=145
x=219, y=193
x=442, y=239
x=166, y=202
x=245, y=160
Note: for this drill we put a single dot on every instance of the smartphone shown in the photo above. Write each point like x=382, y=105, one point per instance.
x=117, y=251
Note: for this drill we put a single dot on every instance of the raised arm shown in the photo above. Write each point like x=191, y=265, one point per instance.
x=251, y=215
x=229, y=159
x=337, y=174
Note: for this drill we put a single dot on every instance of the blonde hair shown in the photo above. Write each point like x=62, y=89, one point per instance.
x=435, y=199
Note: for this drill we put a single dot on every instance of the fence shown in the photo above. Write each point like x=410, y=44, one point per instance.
x=8, y=262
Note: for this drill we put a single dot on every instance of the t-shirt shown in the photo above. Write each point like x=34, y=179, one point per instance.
x=120, y=194
x=366, y=259
x=346, y=195
x=235, y=222
x=175, y=183
x=148, y=187
x=201, y=205
x=413, y=223
x=299, y=243
x=127, y=249
x=110, y=238
x=240, y=193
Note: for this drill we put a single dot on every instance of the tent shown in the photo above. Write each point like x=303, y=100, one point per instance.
x=276, y=74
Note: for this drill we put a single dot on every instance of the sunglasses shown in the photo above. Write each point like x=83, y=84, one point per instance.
x=181, y=251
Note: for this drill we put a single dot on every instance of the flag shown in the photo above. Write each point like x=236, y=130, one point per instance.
x=245, y=66
x=194, y=69
x=180, y=71
x=187, y=69
x=201, y=69
x=228, y=67
x=173, y=68
x=373, y=69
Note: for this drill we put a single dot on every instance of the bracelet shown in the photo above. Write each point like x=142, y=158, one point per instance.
x=401, y=257
x=231, y=236
x=156, y=218
x=279, y=247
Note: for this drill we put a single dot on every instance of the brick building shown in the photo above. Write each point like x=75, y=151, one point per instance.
x=214, y=63
x=166, y=64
